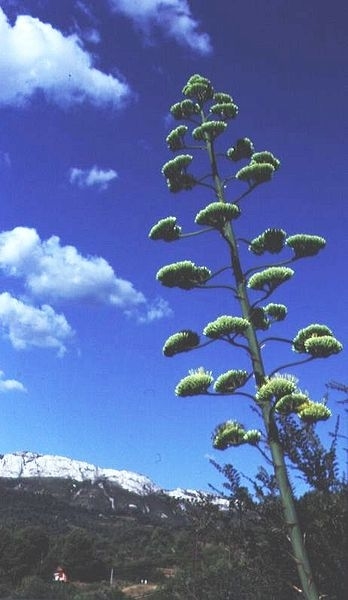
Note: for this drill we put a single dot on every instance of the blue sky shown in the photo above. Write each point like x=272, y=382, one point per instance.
x=85, y=93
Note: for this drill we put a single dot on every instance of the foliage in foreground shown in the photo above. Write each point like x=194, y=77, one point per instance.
x=252, y=561
x=241, y=553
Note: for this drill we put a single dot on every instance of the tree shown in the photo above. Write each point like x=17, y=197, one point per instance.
x=79, y=555
x=23, y=552
x=277, y=395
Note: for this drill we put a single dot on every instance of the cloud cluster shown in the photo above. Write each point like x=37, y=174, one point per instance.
x=93, y=177
x=173, y=17
x=151, y=311
x=35, y=57
x=55, y=273
x=10, y=385
x=28, y=326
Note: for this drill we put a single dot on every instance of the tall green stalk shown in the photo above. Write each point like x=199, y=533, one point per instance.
x=275, y=394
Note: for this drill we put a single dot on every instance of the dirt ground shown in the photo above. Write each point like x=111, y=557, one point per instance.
x=139, y=591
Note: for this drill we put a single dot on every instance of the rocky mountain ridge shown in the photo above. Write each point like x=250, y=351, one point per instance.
x=59, y=492
x=29, y=465
x=32, y=464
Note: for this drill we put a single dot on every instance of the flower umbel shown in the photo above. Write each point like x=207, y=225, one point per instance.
x=185, y=275
x=197, y=382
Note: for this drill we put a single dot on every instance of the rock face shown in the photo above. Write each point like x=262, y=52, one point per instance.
x=101, y=483
x=30, y=464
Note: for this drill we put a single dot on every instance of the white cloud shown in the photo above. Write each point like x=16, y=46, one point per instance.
x=36, y=57
x=10, y=385
x=174, y=17
x=57, y=272
x=52, y=272
x=27, y=326
x=152, y=311
x=92, y=177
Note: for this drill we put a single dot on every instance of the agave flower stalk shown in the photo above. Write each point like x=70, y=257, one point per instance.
x=210, y=114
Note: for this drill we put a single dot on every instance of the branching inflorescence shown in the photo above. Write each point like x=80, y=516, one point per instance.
x=207, y=115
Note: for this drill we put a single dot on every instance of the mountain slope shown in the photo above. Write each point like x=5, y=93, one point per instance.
x=31, y=464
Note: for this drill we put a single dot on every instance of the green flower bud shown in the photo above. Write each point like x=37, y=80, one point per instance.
x=209, y=130
x=271, y=240
x=197, y=382
x=177, y=165
x=185, y=275
x=255, y=173
x=305, y=334
x=323, y=346
x=257, y=245
x=278, y=312
x=276, y=387
x=243, y=149
x=183, y=341
x=226, y=326
x=222, y=98
x=252, y=436
x=227, y=110
x=217, y=214
x=230, y=433
x=291, y=403
x=175, y=172
x=230, y=381
x=166, y=229
x=199, y=88
x=269, y=279
x=305, y=245
x=313, y=412
x=184, y=110
x=265, y=158
x=175, y=138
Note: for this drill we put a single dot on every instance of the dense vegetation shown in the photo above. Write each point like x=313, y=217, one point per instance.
x=241, y=553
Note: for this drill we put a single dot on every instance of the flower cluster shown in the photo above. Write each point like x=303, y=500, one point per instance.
x=185, y=275
x=224, y=106
x=195, y=383
x=305, y=245
x=175, y=139
x=260, y=169
x=232, y=433
x=243, y=148
x=277, y=312
x=225, y=110
x=316, y=340
x=184, y=110
x=269, y=279
x=230, y=381
x=276, y=387
x=175, y=171
x=209, y=130
x=182, y=341
x=199, y=88
x=217, y=214
x=271, y=240
x=225, y=326
x=166, y=229
x=282, y=390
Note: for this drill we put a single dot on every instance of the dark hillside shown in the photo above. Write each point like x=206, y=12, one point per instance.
x=191, y=551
